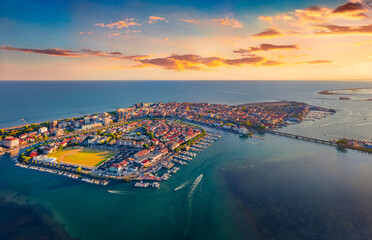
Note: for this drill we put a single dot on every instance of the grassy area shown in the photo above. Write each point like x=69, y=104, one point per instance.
x=86, y=157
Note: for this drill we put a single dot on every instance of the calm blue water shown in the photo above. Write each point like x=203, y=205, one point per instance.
x=251, y=189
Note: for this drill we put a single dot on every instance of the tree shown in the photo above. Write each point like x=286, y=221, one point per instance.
x=247, y=124
x=150, y=134
x=342, y=142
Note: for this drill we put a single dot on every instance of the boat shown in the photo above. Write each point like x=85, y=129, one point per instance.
x=155, y=185
x=141, y=185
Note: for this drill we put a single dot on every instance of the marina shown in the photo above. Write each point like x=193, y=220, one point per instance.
x=63, y=173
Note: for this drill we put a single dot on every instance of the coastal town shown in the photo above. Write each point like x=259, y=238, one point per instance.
x=147, y=142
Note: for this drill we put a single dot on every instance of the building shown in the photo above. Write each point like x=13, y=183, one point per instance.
x=86, y=120
x=129, y=143
x=89, y=126
x=107, y=121
x=45, y=159
x=53, y=124
x=10, y=142
x=120, y=114
x=155, y=141
x=58, y=132
x=141, y=153
x=118, y=167
x=146, y=163
x=43, y=130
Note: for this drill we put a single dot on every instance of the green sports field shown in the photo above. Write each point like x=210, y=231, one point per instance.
x=82, y=156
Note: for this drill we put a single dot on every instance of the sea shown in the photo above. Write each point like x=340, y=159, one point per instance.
x=239, y=188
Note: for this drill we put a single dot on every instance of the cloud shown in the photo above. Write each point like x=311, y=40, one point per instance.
x=312, y=14
x=98, y=53
x=315, y=62
x=266, y=19
x=154, y=19
x=349, y=7
x=272, y=63
x=135, y=57
x=358, y=44
x=195, y=62
x=268, y=33
x=343, y=30
x=190, y=20
x=266, y=47
x=120, y=24
x=300, y=22
x=49, y=51
x=351, y=10
x=87, y=33
x=231, y=22
x=73, y=53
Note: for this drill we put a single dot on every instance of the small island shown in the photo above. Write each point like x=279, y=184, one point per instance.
x=346, y=91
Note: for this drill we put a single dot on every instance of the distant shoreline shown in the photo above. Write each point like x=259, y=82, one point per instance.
x=334, y=91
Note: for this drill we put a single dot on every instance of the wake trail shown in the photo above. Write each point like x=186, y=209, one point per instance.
x=190, y=195
x=181, y=186
x=118, y=192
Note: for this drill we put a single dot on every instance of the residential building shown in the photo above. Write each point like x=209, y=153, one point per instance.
x=10, y=142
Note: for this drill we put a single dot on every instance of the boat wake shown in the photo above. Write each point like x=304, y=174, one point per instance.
x=181, y=186
x=117, y=192
x=361, y=124
x=190, y=195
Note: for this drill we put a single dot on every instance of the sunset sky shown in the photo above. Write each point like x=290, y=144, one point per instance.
x=186, y=40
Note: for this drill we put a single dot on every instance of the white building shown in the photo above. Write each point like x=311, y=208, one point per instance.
x=46, y=159
x=43, y=130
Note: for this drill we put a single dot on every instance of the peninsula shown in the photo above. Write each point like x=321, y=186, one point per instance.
x=147, y=142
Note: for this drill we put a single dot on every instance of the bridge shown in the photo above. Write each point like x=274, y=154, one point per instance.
x=327, y=142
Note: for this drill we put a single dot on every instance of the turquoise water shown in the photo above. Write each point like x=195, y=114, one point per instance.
x=279, y=188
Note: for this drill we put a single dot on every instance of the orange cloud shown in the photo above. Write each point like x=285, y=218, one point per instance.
x=154, y=19
x=120, y=24
x=195, y=62
x=344, y=30
x=266, y=47
x=362, y=43
x=87, y=33
x=268, y=33
x=351, y=10
x=301, y=21
x=191, y=20
x=266, y=19
x=315, y=62
x=229, y=22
